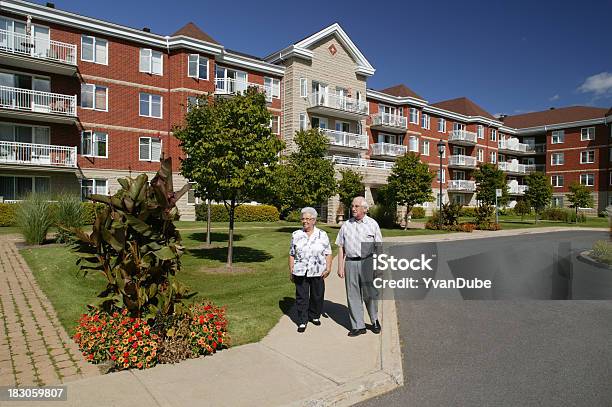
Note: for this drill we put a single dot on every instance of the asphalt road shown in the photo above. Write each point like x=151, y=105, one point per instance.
x=511, y=352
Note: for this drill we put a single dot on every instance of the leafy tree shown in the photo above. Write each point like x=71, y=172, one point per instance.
x=410, y=182
x=488, y=179
x=231, y=152
x=522, y=208
x=307, y=177
x=580, y=197
x=349, y=186
x=539, y=192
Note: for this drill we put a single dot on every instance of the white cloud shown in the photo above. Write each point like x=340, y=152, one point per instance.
x=599, y=84
x=553, y=98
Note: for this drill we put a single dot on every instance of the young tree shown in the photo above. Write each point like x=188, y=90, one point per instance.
x=539, y=192
x=489, y=178
x=349, y=186
x=410, y=182
x=580, y=197
x=522, y=208
x=231, y=152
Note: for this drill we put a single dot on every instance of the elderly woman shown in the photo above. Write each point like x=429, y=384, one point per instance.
x=310, y=262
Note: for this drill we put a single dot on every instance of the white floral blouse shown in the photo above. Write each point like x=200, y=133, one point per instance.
x=309, y=252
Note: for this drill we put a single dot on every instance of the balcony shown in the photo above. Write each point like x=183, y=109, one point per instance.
x=360, y=162
x=337, y=106
x=462, y=137
x=347, y=140
x=389, y=122
x=37, y=105
x=36, y=53
x=459, y=185
x=388, y=150
x=37, y=155
x=539, y=148
x=230, y=86
x=514, y=167
x=514, y=188
x=513, y=147
x=462, y=161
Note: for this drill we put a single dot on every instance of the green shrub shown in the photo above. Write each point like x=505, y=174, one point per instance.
x=418, y=212
x=8, y=214
x=385, y=216
x=468, y=211
x=562, y=214
x=244, y=213
x=35, y=216
x=602, y=250
x=68, y=214
x=294, y=216
x=89, y=210
x=521, y=208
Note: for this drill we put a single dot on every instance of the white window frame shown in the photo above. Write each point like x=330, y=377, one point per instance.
x=95, y=186
x=557, y=202
x=277, y=124
x=557, y=137
x=197, y=61
x=441, y=125
x=480, y=155
x=425, y=121
x=493, y=157
x=303, y=121
x=150, y=54
x=274, y=85
x=425, y=147
x=590, y=133
x=93, y=147
x=94, y=44
x=587, y=153
x=414, y=113
x=552, y=158
x=480, y=131
x=586, y=179
x=150, y=159
x=443, y=175
x=303, y=87
x=413, y=141
x=161, y=105
x=95, y=88
x=554, y=180
x=493, y=135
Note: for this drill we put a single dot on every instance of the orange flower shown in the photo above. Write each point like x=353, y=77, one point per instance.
x=134, y=359
x=139, y=365
x=148, y=358
x=125, y=365
x=193, y=334
x=146, y=349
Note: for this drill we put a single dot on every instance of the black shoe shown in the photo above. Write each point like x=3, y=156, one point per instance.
x=376, y=327
x=316, y=321
x=356, y=332
x=301, y=328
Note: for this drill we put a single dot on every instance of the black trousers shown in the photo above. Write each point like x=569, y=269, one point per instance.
x=309, y=293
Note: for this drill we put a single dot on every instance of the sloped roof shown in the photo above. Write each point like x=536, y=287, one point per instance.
x=463, y=106
x=401, y=90
x=555, y=116
x=193, y=31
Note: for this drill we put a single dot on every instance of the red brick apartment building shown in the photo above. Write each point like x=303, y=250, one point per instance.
x=84, y=101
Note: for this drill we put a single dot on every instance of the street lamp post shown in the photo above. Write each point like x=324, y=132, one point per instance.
x=440, y=153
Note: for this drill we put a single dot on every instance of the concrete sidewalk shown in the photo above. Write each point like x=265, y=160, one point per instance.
x=320, y=367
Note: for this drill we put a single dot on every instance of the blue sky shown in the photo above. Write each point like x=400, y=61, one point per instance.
x=509, y=57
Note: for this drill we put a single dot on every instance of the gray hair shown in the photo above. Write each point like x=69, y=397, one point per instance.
x=310, y=211
x=363, y=202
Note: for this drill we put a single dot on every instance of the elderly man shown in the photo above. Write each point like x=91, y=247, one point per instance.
x=357, y=230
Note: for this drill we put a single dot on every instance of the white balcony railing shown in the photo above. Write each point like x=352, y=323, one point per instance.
x=462, y=161
x=37, y=154
x=36, y=47
x=230, y=86
x=512, y=144
x=516, y=189
x=514, y=167
x=339, y=102
x=390, y=120
x=389, y=149
x=462, y=136
x=360, y=162
x=344, y=139
x=37, y=101
x=462, y=185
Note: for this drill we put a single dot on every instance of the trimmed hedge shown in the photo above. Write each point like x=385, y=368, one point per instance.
x=418, y=212
x=244, y=213
x=8, y=212
x=562, y=214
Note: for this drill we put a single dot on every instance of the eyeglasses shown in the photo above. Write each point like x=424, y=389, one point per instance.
x=356, y=206
x=308, y=219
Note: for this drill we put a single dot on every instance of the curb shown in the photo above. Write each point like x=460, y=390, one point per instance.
x=586, y=258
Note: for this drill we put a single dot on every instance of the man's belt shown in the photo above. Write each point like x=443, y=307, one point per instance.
x=358, y=258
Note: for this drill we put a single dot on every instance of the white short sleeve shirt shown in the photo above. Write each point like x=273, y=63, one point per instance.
x=309, y=252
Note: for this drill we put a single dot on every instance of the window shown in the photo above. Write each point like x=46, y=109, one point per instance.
x=94, y=97
x=272, y=87
x=556, y=181
x=587, y=157
x=275, y=124
x=442, y=125
x=425, y=121
x=480, y=155
x=443, y=175
x=458, y=126
x=557, y=201
x=149, y=148
x=150, y=105
x=93, y=186
x=557, y=137
x=587, y=133
x=493, y=135
x=17, y=188
x=197, y=67
x=303, y=87
x=151, y=61
x=557, y=159
x=303, y=121
x=413, y=144
x=192, y=101
x=587, y=179
x=414, y=115
x=94, y=144
x=425, y=147
x=480, y=131
x=192, y=199
x=94, y=50
x=493, y=157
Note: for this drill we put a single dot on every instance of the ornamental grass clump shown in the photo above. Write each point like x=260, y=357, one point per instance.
x=68, y=215
x=35, y=216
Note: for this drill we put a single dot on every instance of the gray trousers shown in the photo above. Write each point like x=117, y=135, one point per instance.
x=359, y=289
